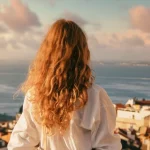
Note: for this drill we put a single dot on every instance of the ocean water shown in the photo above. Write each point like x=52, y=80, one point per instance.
x=121, y=83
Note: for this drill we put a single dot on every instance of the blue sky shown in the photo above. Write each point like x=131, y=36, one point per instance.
x=117, y=30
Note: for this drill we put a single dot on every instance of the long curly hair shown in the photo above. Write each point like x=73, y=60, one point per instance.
x=59, y=76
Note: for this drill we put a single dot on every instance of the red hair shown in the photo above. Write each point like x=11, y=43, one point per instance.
x=60, y=75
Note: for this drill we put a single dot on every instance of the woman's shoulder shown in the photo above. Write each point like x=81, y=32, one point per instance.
x=90, y=113
x=96, y=88
x=100, y=94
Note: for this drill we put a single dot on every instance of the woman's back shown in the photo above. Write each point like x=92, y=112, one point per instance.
x=91, y=127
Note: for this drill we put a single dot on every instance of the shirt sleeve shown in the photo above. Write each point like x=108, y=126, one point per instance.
x=25, y=135
x=103, y=137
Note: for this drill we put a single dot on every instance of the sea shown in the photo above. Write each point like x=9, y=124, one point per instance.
x=120, y=82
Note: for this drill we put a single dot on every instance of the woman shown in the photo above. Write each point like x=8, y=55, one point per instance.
x=61, y=101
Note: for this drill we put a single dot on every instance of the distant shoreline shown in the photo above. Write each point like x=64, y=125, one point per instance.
x=134, y=64
x=93, y=62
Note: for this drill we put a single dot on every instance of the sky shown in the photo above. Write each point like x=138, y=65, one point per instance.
x=117, y=30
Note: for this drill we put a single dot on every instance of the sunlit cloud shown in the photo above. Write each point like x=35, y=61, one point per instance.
x=140, y=18
x=18, y=16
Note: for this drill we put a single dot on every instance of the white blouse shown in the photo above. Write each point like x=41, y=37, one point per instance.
x=91, y=127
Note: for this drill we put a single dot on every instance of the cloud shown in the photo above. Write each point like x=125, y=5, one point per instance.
x=83, y=23
x=133, y=41
x=20, y=48
x=3, y=42
x=120, y=46
x=76, y=18
x=2, y=29
x=52, y=2
x=128, y=38
x=32, y=42
x=140, y=18
x=18, y=17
